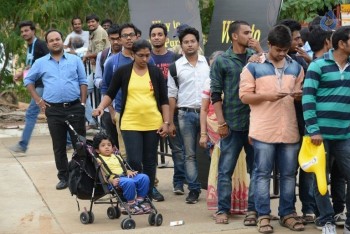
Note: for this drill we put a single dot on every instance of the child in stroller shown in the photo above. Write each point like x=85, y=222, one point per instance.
x=133, y=184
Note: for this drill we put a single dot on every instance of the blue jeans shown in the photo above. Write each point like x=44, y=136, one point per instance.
x=141, y=150
x=30, y=120
x=230, y=148
x=306, y=193
x=88, y=109
x=338, y=188
x=189, y=131
x=177, y=153
x=340, y=150
x=286, y=158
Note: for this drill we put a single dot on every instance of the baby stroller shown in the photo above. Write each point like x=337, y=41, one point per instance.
x=87, y=182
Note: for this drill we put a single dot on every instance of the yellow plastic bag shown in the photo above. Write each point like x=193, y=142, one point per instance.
x=312, y=158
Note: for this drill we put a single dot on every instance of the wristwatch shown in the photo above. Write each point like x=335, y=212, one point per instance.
x=83, y=104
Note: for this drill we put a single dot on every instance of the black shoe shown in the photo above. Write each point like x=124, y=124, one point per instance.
x=179, y=190
x=192, y=197
x=62, y=185
x=156, y=195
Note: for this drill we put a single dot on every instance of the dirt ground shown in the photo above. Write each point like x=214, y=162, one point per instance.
x=13, y=115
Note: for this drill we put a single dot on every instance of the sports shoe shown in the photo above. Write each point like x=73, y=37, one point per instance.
x=340, y=219
x=156, y=195
x=329, y=228
x=192, y=197
x=346, y=229
x=17, y=149
x=134, y=209
x=179, y=190
x=146, y=206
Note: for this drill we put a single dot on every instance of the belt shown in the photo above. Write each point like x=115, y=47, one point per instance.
x=190, y=109
x=64, y=104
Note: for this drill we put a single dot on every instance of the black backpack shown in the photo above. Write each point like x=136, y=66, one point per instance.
x=82, y=174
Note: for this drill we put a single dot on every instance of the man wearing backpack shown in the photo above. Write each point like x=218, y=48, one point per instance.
x=113, y=36
x=184, y=91
x=163, y=58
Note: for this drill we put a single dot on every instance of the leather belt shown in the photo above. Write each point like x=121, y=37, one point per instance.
x=190, y=109
x=64, y=104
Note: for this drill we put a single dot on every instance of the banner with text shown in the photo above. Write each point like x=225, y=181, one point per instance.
x=144, y=13
x=260, y=14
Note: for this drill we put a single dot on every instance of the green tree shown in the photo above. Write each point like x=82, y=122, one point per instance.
x=47, y=14
x=305, y=10
x=206, y=8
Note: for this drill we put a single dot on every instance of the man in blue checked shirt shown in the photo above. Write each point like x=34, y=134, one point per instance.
x=65, y=92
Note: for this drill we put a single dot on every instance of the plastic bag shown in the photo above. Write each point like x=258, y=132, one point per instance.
x=312, y=158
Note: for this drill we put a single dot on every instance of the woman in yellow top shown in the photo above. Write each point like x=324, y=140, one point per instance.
x=145, y=109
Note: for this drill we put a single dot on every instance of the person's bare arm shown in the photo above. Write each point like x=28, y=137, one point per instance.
x=203, y=122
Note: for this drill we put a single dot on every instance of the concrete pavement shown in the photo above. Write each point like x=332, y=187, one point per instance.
x=31, y=204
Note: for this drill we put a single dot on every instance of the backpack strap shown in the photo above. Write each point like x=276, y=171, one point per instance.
x=173, y=73
x=109, y=170
x=104, y=55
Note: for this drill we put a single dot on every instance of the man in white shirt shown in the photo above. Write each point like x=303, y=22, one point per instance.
x=78, y=31
x=184, y=91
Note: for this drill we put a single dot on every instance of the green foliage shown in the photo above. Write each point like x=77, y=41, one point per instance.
x=46, y=14
x=206, y=11
x=305, y=10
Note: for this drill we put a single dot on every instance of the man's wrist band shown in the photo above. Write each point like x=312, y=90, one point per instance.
x=39, y=101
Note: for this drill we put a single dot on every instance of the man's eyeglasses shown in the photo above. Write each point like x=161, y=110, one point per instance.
x=143, y=55
x=128, y=35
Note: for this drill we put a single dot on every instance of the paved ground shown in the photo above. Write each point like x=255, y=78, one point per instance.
x=31, y=204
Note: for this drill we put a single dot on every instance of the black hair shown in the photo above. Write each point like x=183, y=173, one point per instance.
x=315, y=22
x=98, y=139
x=126, y=25
x=138, y=31
x=141, y=44
x=341, y=34
x=158, y=25
x=293, y=25
x=304, y=34
x=114, y=29
x=107, y=21
x=27, y=23
x=75, y=18
x=234, y=27
x=280, y=36
x=52, y=30
x=92, y=17
x=189, y=30
x=318, y=37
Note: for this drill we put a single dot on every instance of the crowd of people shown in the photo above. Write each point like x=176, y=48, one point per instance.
x=248, y=107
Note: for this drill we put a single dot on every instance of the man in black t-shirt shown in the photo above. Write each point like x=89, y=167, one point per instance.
x=36, y=48
x=163, y=58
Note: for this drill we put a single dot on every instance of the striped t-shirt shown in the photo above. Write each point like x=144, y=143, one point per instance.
x=326, y=98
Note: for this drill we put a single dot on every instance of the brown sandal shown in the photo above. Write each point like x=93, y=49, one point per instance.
x=221, y=218
x=250, y=219
x=293, y=222
x=264, y=228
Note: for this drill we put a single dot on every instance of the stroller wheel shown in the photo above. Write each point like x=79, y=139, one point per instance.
x=112, y=213
x=152, y=219
x=128, y=223
x=91, y=217
x=118, y=212
x=84, y=217
x=158, y=219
